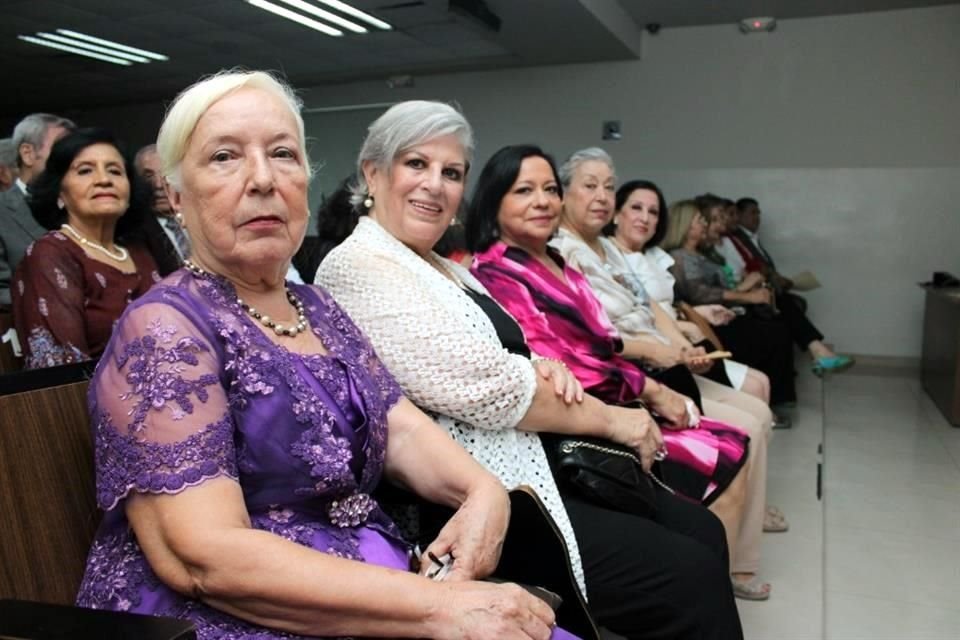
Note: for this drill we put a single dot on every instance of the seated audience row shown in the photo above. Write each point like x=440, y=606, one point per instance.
x=457, y=354
x=243, y=421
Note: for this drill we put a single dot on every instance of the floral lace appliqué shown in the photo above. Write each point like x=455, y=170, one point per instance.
x=125, y=463
x=115, y=574
x=157, y=365
x=45, y=351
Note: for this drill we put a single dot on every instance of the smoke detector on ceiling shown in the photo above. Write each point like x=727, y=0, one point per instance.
x=754, y=25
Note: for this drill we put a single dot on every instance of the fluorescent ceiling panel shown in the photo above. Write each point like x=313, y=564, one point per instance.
x=306, y=7
x=294, y=16
x=92, y=47
x=113, y=45
x=76, y=50
x=343, y=7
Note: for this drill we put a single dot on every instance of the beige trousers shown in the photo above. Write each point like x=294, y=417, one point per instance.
x=755, y=418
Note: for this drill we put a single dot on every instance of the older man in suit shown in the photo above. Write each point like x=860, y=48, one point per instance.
x=32, y=138
x=165, y=239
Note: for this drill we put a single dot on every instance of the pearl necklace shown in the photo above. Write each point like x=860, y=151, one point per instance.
x=120, y=256
x=264, y=319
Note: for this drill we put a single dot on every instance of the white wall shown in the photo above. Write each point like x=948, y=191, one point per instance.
x=844, y=128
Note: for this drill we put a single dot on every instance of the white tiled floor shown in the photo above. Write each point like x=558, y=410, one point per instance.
x=879, y=558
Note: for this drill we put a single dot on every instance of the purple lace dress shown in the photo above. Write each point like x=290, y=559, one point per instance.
x=190, y=389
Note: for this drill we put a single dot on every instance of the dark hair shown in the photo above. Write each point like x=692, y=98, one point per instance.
x=45, y=190
x=708, y=201
x=498, y=175
x=453, y=240
x=625, y=191
x=337, y=216
x=743, y=203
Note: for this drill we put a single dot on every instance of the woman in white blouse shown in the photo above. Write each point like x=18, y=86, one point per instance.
x=431, y=324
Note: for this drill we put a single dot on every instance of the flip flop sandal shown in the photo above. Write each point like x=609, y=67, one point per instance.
x=752, y=589
x=774, y=521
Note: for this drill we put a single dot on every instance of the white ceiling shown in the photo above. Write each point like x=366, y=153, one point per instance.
x=202, y=36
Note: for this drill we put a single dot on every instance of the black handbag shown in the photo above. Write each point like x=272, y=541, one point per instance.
x=607, y=474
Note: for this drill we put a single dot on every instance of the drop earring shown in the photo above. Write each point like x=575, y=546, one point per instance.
x=368, y=201
x=60, y=204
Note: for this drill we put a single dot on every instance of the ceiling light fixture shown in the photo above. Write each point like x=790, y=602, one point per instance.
x=113, y=45
x=295, y=17
x=343, y=7
x=325, y=15
x=76, y=50
x=92, y=47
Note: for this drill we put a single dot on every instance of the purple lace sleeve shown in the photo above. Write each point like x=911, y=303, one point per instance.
x=160, y=415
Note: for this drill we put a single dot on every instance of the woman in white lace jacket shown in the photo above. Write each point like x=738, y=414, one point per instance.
x=424, y=317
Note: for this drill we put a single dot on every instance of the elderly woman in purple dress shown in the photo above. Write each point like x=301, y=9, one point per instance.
x=242, y=423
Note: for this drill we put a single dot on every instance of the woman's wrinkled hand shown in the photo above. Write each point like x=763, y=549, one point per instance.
x=636, y=428
x=693, y=358
x=486, y=611
x=474, y=535
x=677, y=409
x=565, y=384
x=716, y=314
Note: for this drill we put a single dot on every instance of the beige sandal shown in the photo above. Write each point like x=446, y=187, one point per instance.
x=752, y=589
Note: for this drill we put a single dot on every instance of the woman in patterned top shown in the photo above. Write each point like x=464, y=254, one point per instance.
x=75, y=281
x=242, y=422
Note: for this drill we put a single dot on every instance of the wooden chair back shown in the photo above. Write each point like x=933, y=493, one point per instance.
x=9, y=361
x=47, y=494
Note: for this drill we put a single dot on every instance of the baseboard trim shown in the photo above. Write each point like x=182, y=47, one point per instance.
x=874, y=365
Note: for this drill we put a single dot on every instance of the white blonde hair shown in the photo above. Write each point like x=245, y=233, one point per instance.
x=406, y=125
x=188, y=107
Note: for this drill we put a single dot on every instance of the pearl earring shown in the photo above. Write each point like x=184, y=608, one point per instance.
x=179, y=217
x=368, y=202
x=60, y=204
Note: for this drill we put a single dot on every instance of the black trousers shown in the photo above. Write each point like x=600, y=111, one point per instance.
x=793, y=315
x=659, y=578
x=764, y=345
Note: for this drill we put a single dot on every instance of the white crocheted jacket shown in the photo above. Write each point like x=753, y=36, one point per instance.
x=444, y=352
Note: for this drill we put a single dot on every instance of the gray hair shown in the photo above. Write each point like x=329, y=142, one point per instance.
x=577, y=158
x=406, y=125
x=8, y=153
x=33, y=129
x=188, y=107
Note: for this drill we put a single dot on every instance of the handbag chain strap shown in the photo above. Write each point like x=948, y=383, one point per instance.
x=570, y=445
